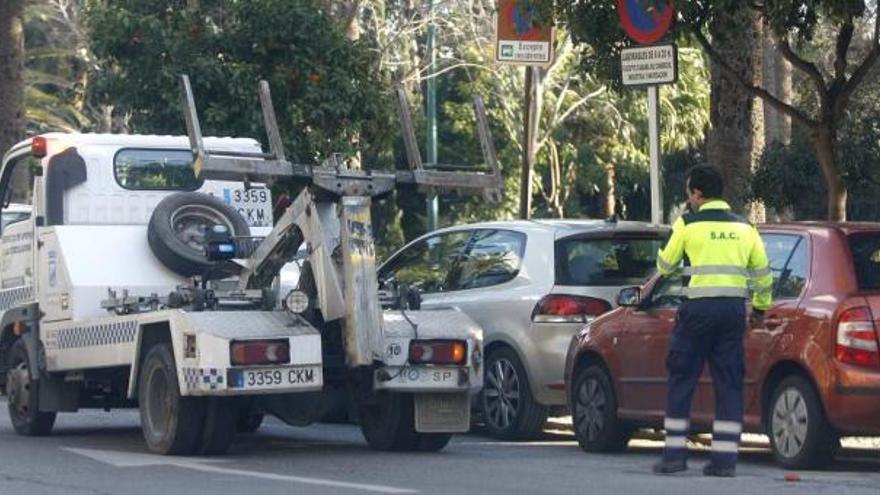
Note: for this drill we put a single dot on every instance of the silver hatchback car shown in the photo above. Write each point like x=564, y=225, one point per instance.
x=531, y=285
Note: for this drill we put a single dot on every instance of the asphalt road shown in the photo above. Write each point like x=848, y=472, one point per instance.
x=93, y=452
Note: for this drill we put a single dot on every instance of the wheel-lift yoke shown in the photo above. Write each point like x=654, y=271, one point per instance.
x=332, y=215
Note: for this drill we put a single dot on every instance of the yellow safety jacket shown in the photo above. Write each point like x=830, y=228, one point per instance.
x=725, y=252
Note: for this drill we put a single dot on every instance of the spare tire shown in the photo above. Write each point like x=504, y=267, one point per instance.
x=176, y=233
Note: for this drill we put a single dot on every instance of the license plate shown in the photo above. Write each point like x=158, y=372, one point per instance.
x=272, y=378
x=254, y=204
x=443, y=413
x=429, y=376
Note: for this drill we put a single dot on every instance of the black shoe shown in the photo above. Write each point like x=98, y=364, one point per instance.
x=712, y=469
x=670, y=467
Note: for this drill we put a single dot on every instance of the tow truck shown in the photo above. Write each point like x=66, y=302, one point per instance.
x=149, y=273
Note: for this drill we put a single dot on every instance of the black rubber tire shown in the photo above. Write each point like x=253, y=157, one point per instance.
x=249, y=421
x=180, y=257
x=389, y=425
x=175, y=427
x=594, y=412
x=26, y=417
x=820, y=444
x=529, y=418
x=220, y=425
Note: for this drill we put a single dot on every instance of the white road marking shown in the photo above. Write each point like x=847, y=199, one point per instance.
x=130, y=459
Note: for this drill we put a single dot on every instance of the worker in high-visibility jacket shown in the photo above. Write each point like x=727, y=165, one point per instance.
x=725, y=261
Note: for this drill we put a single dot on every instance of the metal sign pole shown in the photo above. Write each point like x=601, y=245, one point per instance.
x=654, y=134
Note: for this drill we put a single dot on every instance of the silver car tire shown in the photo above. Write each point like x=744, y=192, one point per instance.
x=507, y=407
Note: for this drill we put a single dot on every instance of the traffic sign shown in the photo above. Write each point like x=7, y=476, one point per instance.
x=519, y=38
x=649, y=65
x=646, y=21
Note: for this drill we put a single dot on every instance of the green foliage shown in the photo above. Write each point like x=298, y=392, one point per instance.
x=788, y=179
x=327, y=96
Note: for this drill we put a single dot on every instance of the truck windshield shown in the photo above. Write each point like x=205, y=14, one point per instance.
x=865, y=247
x=143, y=169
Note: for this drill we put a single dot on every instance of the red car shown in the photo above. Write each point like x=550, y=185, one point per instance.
x=812, y=369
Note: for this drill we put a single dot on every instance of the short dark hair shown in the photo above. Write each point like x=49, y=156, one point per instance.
x=707, y=179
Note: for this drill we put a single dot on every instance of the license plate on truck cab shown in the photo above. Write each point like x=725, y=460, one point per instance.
x=276, y=378
x=254, y=204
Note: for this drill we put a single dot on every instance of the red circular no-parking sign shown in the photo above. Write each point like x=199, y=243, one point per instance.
x=646, y=21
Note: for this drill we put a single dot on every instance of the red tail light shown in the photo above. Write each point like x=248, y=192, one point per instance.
x=561, y=308
x=259, y=352
x=437, y=352
x=857, y=338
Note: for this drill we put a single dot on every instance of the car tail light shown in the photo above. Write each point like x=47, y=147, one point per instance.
x=39, y=147
x=561, y=308
x=257, y=352
x=437, y=352
x=857, y=338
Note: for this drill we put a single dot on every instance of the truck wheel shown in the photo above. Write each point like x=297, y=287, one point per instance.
x=23, y=396
x=389, y=424
x=800, y=435
x=594, y=412
x=249, y=422
x=172, y=424
x=176, y=232
x=509, y=412
x=219, y=427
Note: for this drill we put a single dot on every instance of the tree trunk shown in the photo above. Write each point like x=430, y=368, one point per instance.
x=610, y=193
x=12, y=123
x=835, y=199
x=777, y=80
x=736, y=138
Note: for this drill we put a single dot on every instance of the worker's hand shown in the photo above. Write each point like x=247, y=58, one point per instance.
x=756, y=318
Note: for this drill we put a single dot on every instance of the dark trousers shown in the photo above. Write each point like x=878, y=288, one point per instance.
x=709, y=329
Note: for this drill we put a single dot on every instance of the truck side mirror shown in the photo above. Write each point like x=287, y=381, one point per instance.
x=629, y=297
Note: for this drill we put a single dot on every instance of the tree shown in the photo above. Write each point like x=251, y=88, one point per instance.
x=324, y=87
x=793, y=23
x=11, y=73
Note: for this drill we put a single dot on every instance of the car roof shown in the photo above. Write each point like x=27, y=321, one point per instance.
x=564, y=228
x=823, y=226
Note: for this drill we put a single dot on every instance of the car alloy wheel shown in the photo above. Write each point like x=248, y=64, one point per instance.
x=790, y=422
x=502, y=394
x=590, y=410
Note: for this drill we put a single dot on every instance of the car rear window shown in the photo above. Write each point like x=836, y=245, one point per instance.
x=156, y=170
x=605, y=262
x=865, y=247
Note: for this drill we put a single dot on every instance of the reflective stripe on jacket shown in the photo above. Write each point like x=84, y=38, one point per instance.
x=725, y=253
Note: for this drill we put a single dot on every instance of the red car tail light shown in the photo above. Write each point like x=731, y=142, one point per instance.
x=437, y=352
x=39, y=147
x=259, y=352
x=562, y=308
x=857, y=338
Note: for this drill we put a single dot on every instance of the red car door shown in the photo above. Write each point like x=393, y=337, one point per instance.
x=644, y=342
x=789, y=262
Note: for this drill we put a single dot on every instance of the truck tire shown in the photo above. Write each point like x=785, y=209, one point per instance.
x=801, y=437
x=176, y=232
x=23, y=395
x=506, y=404
x=219, y=427
x=172, y=425
x=249, y=422
x=389, y=425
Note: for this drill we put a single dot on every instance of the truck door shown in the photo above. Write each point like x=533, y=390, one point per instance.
x=17, y=241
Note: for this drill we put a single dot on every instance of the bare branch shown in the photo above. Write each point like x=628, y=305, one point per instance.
x=860, y=73
x=844, y=38
x=755, y=90
x=807, y=67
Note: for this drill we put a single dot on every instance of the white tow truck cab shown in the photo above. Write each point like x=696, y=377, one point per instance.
x=138, y=274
